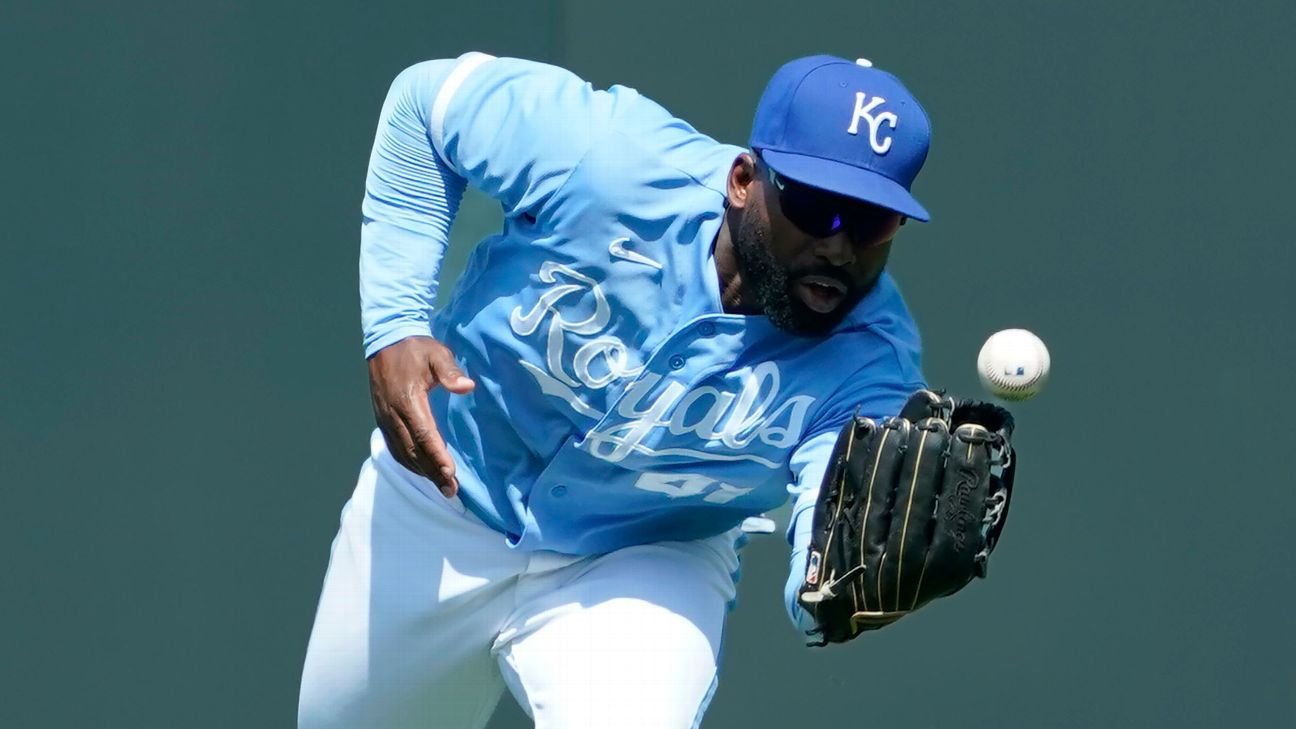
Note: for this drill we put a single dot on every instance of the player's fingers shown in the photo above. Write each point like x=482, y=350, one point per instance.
x=957, y=538
x=925, y=404
x=911, y=515
x=448, y=373
x=429, y=449
x=878, y=485
x=399, y=443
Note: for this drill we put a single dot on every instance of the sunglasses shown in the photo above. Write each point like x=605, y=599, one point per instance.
x=822, y=214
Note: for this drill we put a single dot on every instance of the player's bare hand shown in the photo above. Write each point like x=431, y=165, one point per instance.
x=400, y=377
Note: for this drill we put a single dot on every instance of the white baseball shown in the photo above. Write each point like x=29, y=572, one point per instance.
x=1013, y=364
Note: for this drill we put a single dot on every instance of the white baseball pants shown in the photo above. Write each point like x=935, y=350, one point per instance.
x=426, y=615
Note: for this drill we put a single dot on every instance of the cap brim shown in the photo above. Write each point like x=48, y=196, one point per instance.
x=846, y=180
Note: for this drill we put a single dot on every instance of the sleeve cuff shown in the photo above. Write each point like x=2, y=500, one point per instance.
x=394, y=335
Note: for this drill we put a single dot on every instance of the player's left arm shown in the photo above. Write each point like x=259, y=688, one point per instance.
x=882, y=397
x=809, y=463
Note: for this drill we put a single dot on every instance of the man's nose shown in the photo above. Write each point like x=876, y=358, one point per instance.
x=836, y=249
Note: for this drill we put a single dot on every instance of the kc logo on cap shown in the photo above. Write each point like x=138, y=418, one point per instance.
x=865, y=111
x=844, y=127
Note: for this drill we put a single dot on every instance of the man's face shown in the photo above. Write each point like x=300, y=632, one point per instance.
x=807, y=281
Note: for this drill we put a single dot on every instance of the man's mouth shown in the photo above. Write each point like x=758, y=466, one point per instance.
x=821, y=293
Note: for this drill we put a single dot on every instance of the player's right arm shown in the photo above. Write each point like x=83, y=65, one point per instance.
x=513, y=129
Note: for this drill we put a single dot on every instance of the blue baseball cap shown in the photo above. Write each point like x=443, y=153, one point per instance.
x=845, y=127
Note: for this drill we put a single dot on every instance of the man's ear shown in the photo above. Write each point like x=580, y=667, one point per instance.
x=904, y=219
x=742, y=181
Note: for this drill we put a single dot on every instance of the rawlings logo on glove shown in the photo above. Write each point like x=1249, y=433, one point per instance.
x=909, y=511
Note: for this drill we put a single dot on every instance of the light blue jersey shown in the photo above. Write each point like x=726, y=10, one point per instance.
x=616, y=402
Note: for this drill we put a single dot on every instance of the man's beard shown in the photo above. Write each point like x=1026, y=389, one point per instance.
x=772, y=285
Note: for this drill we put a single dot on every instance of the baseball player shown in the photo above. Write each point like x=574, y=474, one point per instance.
x=669, y=335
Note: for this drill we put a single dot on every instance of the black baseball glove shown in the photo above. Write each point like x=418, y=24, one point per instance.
x=908, y=512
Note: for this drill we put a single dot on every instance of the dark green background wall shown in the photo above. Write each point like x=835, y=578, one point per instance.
x=183, y=402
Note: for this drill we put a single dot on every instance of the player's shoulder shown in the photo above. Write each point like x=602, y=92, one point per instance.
x=630, y=140
x=539, y=97
x=646, y=145
x=882, y=321
x=883, y=308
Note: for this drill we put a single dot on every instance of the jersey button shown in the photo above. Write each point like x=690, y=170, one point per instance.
x=706, y=329
x=558, y=491
x=676, y=362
